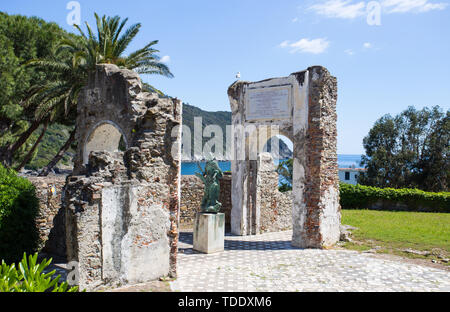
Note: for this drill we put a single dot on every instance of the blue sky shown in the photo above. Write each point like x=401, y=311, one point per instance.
x=380, y=68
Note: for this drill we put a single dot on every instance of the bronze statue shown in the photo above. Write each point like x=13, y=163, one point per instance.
x=210, y=177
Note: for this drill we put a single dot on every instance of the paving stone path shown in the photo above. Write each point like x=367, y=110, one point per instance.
x=268, y=262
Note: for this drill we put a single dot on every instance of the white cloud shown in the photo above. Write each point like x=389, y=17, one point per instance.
x=415, y=6
x=284, y=44
x=295, y=19
x=367, y=45
x=349, y=52
x=345, y=9
x=351, y=9
x=165, y=59
x=314, y=46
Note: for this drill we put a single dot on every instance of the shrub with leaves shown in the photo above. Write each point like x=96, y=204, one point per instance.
x=30, y=277
x=285, y=169
x=18, y=210
x=362, y=197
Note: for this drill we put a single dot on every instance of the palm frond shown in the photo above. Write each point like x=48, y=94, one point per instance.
x=148, y=66
x=126, y=38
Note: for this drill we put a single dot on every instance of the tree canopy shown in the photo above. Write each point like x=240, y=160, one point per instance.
x=285, y=170
x=410, y=150
x=21, y=40
x=43, y=69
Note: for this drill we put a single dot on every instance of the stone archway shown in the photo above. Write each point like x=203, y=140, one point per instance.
x=105, y=136
x=302, y=107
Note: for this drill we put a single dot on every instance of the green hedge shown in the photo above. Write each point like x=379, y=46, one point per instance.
x=365, y=197
x=18, y=210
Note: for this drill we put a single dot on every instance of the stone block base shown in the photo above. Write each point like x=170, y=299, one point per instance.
x=209, y=232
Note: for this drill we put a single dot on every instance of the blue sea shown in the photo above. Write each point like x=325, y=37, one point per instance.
x=344, y=161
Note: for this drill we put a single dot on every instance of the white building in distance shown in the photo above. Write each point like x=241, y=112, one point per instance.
x=350, y=175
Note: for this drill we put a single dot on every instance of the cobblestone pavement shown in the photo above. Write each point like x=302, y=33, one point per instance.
x=268, y=262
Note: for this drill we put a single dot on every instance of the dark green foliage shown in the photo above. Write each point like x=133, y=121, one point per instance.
x=410, y=150
x=284, y=187
x=21, y=40
x=42, y=71
x=285, y=169
x=362, y=197
x=30, y=277
x=18, y=210
x=108, y=44
x=54, y=138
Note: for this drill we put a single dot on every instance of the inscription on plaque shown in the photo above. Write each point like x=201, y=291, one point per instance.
x=268, y=103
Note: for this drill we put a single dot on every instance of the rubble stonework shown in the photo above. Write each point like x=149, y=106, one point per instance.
x=311, y=126
x=50, y=220
x=322, y=179
x=122, y=206
x=275, y=206
x=192, y=190
x=191, y=198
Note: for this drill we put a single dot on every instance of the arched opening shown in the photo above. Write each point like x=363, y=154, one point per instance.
x=106, y=136
x=281, y=149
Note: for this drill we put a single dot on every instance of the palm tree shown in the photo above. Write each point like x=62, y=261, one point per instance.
x=51, y=100
x=108, y=46
x=59, y=96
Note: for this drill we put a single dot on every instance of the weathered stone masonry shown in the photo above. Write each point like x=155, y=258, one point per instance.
x=276, y=207
x=122, y=206
x=322, y=179
x=192, y=190
x=309, y=120
x=50, y=221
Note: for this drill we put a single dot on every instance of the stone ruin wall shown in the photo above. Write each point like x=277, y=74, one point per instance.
x=122, y=207
x=275, y=207
x=309, y=120
x=50, y=220
x=191, y=197
x=323, y=211
x=192, y=190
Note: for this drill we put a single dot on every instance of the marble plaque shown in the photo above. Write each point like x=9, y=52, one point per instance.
x=268, y=103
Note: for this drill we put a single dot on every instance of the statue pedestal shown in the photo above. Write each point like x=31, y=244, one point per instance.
x=209, y=232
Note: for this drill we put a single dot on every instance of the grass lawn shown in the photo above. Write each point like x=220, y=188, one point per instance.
x=392, y=232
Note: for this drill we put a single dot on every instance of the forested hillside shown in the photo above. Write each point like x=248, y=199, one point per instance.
x=55, y=136
x=222, y=119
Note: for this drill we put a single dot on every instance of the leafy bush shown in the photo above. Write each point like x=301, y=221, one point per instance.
x=284, y=187
x=55, y=137
x=362, y=197
x=18, y=210
x=285, y=169
x=30, y=277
